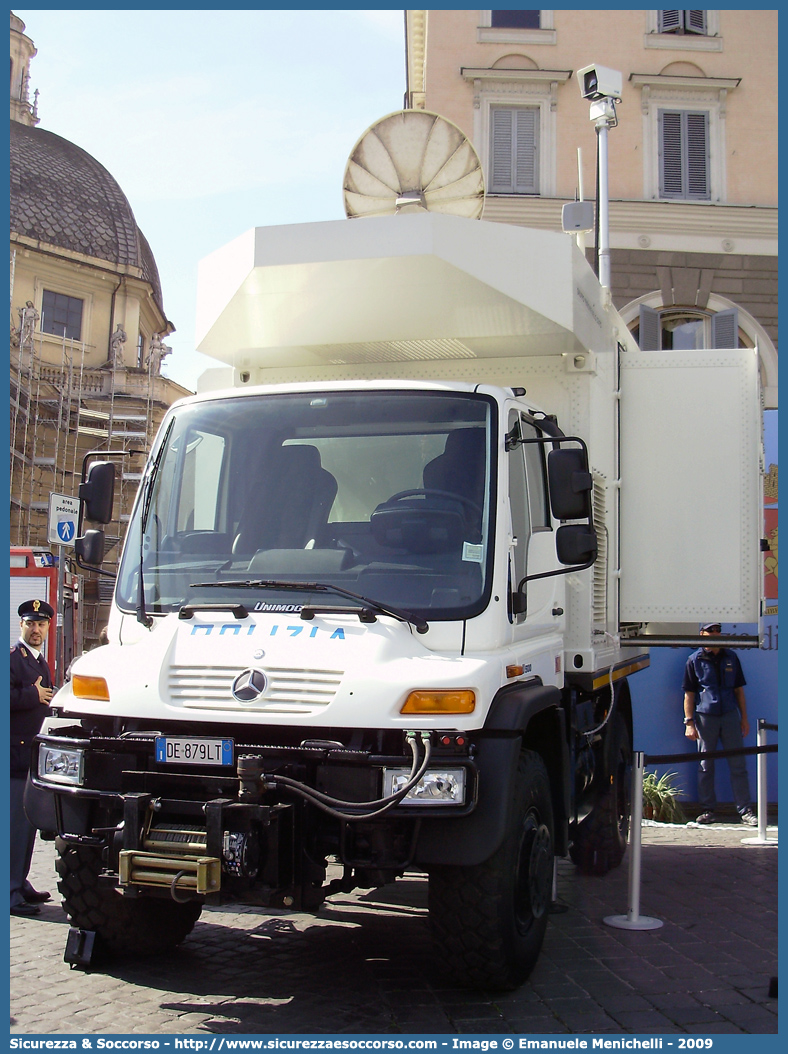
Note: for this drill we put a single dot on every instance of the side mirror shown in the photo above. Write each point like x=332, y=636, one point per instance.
x=575, y=543
x=90, y=547
x=98, y=492
x=570, y=484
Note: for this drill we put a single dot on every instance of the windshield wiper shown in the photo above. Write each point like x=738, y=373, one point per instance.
x=319, y=587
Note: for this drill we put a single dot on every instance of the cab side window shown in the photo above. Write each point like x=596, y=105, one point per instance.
x=536, y=473
x=518, y=502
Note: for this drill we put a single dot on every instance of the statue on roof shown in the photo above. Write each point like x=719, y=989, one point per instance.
x=116, y=342
x=28, y=316
x=157, y=350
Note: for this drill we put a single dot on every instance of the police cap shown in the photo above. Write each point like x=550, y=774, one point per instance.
x=35, y=610
x=711, y=627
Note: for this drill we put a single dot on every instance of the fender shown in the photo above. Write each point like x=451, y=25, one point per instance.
x=522, y=715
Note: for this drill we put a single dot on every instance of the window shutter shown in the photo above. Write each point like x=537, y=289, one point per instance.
x=725, y=329
x=648, y=337
x=670, y=154
x=527, y=151
x=695, y=22
x=684, y=155
x=697, y=155
x=501, y=150
x=514, y=150
x=669, y=21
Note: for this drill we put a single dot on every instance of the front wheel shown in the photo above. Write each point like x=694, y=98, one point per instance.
x=490, y=918
x=123, y=925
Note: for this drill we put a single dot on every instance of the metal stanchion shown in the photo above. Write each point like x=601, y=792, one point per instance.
x=633, y=920
x=763, y=806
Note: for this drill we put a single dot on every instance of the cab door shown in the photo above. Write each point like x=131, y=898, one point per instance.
x=533, y=539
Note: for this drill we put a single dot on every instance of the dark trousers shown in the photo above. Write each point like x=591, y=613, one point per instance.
x=23, y=835
x=724, y=729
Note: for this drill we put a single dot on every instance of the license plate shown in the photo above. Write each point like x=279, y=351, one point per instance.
x=188, y=750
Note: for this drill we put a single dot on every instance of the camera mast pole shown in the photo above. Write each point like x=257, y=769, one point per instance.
x=603, y=113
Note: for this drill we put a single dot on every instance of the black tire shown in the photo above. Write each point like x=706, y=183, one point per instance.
x=123, y=925
x=600, y=841
x=490, y=919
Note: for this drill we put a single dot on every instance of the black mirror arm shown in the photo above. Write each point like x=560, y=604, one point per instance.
x=557, y=571
x=518, y=592
x=90, y=567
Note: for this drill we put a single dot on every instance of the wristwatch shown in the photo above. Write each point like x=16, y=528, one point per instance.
x=689, y=720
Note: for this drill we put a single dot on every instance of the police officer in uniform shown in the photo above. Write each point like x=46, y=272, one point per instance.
x=31, y=692
x=715, y=711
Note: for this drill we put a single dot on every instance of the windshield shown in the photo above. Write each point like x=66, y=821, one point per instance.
x=384, y=494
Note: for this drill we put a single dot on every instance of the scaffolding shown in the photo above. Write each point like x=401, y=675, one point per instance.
x=59, y=412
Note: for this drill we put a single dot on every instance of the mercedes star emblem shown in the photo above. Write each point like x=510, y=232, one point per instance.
x=249, y=686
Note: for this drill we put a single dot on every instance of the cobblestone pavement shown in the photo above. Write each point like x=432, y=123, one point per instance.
x=365, y=964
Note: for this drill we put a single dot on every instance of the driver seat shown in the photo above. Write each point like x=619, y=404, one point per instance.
x=460, y=469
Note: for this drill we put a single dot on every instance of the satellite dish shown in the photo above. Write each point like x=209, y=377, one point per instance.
x=413, y=161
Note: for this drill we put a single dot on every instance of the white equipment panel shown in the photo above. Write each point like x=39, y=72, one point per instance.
x=691, y=475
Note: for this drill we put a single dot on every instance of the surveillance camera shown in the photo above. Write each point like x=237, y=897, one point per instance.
x=599, y=82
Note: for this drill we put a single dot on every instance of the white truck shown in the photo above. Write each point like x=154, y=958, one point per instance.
x=380, y=595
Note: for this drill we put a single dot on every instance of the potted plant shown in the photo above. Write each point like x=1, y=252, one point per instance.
x=660, y=798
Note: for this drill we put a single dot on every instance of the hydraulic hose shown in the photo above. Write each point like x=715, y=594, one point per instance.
x=413, y=775
x=382, y=805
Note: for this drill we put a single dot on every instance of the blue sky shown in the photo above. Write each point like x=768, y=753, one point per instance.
x=214, y=122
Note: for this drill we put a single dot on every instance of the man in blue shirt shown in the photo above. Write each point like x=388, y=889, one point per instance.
x=715, y=710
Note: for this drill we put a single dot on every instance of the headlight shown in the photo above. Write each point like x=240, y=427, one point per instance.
x=60, y=766
x=436, y=787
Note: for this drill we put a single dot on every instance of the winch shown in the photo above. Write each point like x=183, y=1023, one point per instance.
x=173, y=855
x=176, y=855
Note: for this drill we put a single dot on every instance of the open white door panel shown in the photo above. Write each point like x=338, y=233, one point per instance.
x=691, y=487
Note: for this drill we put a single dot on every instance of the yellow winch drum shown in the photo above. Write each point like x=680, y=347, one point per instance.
x=175, y=856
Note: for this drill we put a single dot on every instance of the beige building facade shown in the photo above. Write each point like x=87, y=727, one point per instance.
x=87, y=329
x=692, y=160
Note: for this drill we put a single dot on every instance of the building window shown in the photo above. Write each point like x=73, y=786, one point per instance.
x=514, y=150
x=673, y=329
x=684, y=155
x=684, y=134
x=683, y=30
x=682, y=22
x=515, y=19
x=61, y=315
x=516, y=27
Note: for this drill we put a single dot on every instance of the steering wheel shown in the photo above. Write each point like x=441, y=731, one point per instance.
x=427, y=492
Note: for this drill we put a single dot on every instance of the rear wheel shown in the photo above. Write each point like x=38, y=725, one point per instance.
x=490, y=919
x=600, y=841
x=123, y=925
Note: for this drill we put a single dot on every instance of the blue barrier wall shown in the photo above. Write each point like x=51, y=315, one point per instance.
x=658, y=705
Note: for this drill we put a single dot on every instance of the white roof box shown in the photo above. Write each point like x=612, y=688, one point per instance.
x=409, y=287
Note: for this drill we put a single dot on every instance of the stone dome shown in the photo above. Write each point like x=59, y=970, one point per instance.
x=62, y=196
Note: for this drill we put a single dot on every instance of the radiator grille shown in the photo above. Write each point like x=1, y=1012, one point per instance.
x=287, y=691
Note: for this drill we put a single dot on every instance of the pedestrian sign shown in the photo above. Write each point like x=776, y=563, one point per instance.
x=63, y=519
